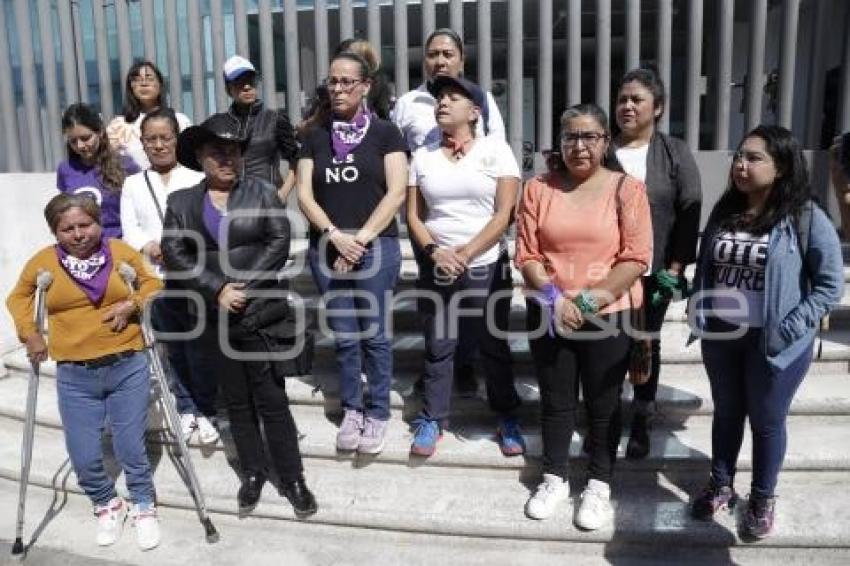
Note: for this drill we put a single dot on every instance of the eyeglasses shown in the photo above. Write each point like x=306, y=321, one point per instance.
x=590, y=139
x=344, y=83
x=750, y=157
x=164, y=140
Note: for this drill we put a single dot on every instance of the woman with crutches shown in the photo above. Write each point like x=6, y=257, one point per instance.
x=101, y=370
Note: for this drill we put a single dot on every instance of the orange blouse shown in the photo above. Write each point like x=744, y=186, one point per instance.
x=578, y=245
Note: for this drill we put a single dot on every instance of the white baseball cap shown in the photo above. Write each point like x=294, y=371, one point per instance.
x=237, y=66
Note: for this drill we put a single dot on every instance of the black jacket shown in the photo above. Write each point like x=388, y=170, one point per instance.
x=257, y=244
x=270, y=140
x=675, y=199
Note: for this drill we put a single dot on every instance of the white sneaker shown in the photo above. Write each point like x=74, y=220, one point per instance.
x=595, y=510
x=207, y=432
x=188, y=424
x=550, y=493
x=110, y=521
x=147, y=525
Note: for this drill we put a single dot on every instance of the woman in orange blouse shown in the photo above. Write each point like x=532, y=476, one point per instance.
x=584, y=237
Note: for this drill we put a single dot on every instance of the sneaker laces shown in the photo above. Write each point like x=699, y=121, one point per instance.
x=108, y=510
x=593, y=499
x=546, y=490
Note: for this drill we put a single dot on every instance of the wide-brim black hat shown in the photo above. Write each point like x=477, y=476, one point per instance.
x=217, y=128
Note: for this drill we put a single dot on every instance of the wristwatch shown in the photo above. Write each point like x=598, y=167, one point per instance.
x=429, y=249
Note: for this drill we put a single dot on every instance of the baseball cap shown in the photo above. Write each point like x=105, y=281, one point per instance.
x=237, y=66
x=471, y=90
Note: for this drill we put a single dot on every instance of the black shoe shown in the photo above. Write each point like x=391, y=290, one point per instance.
x=250, y=490
x=302, y=499
x=465, y=382
x=638, y=446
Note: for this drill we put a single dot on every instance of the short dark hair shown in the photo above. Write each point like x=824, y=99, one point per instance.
x=166, y=114
x=63, y=202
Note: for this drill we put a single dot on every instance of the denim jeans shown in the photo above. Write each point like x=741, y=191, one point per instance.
x=744, y=385
x=440, y=344
x=87, y=397
x=191, y=376
x=374, y=278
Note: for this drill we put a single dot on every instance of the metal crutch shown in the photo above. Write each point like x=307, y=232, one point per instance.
x=171, y=417
x=42, y=282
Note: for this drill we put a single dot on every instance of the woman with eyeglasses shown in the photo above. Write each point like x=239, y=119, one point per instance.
x=269, y=131
x=352, y=176
x=93, y=167
x=769, y=269
x=143, y=204
x=667, y=168
x=144, y=92
x=584, y=237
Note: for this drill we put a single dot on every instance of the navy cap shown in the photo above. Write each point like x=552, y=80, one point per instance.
x=471, y=90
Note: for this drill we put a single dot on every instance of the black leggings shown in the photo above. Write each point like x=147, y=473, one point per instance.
x=654, y=319
x=599, y=366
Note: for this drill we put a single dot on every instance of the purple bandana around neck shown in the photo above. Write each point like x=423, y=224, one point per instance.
x=346, y=136
x=91, y=274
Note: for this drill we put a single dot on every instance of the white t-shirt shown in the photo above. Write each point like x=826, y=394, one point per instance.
x=140, y=222
x=461, y=195
x=633, y=160
x=127, y=138
x=414, y=115
x=738, y=262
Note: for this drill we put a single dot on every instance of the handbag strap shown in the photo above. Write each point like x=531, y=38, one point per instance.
x=153, y=196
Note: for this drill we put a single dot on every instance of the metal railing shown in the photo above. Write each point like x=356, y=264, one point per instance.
x=508, y=43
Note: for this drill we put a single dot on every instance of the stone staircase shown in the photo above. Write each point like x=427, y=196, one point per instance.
x=469, y=490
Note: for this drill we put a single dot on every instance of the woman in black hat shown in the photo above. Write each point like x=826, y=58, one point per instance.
x=224, y=260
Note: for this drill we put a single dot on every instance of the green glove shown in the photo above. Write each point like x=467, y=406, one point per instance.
x=667, y=284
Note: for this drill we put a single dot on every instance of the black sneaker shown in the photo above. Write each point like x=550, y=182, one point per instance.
x=712, y=499
x=758, y=520
x=465, y=382
x=638, y=446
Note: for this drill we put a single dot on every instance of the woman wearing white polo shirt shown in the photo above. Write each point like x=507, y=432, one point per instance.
x=143, y=199
x=461, y=196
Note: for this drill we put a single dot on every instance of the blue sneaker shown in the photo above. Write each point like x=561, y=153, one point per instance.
x=511, y=442
x=425, y=437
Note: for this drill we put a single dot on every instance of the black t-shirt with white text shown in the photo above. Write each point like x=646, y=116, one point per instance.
x=349, y=192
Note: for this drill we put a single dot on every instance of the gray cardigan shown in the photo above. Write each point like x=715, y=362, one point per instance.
x=675, y=199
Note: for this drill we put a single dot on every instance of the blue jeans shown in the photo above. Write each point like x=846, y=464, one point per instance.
x=478, y=285
x=744, y=385
x=191, y=376
x=382, y=262
x=87, y=397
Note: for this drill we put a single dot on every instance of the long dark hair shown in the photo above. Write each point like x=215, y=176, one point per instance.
x=132, y=105
x=107, y=161
x=790, y=192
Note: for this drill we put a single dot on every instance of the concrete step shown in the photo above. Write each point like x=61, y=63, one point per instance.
x=683, y=391
x=651, y=507
x=677, y=441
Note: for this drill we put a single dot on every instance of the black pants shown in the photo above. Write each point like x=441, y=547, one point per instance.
x=252, y=393
x=440, y=345
x=654, y=319
x=599, y=366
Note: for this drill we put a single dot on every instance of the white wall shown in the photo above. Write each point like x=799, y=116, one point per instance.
x=24, y=232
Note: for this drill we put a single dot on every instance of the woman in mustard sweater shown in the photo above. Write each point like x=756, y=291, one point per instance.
x=101, y=372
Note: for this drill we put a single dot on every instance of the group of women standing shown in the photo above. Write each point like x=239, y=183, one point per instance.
x=607, y=231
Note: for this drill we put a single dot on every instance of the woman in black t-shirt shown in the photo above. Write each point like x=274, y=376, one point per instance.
x=352, y=174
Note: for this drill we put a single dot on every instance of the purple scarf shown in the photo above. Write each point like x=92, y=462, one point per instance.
x=346, y=136
x=90, y=274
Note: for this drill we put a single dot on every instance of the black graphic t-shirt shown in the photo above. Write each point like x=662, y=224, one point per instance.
x=738, y=264
x=349, y=192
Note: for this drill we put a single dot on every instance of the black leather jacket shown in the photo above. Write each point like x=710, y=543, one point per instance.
x=257, y=244
x=271, y=139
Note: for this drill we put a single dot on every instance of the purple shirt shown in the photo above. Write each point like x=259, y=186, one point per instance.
x=212, y=219
x=73, y=177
